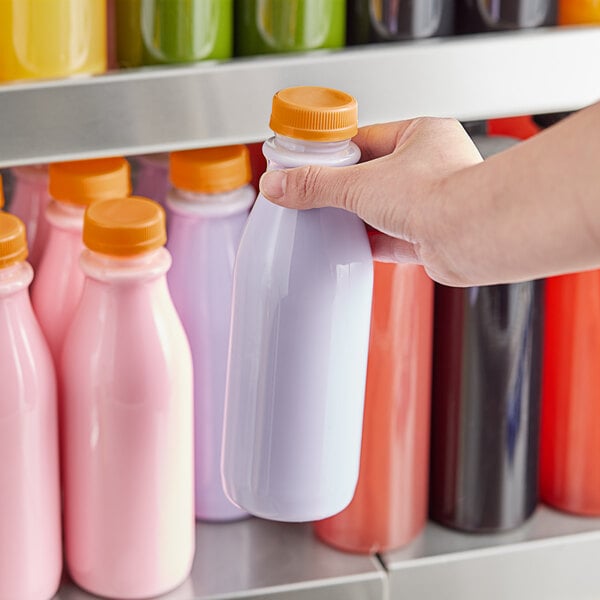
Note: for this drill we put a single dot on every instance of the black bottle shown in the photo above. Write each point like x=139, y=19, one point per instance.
x=475, y=16
x=371, y=21
x=486, y=401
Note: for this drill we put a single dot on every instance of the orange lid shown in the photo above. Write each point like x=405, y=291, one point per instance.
x=211, y=170
x=1, y=193
x=124, y=226
x=316, y=114
x=13, y=242
x=83, y=181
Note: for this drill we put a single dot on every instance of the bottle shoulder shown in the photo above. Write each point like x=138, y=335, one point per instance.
x=15, y=278
x=107, y=269
x=191, y=204
x=282, y=152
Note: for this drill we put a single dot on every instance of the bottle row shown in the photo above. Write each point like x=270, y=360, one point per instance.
x=263, y=364
x=59, y=38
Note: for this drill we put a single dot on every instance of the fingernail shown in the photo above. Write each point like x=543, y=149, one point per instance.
x=272, y=184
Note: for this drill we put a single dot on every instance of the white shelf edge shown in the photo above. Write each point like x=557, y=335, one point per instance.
x=167, y=108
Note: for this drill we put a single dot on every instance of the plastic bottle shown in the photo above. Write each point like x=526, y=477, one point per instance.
x=127, y=381
x=30, y=546
x=208, y=210
x=373, y=21
x=152, y=178
x=300, y=330
x=486, y=401
x=570, y=449
x=578, y=12
x=475, y=16
x=153, y=32
x=52, y=38
x=1, y=193
x=274, y=26
x=59, y=280
x=29, y=202
x=389, y=507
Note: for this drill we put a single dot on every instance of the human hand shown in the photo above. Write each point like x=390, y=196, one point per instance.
x=398, y=189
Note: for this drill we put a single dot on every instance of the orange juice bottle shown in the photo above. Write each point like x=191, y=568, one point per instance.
x=578, y=12
x=42, y=39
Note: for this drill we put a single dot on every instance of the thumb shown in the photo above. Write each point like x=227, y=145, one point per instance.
x=317, y=186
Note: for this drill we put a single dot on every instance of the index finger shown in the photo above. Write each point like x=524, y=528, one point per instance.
x=382, y=139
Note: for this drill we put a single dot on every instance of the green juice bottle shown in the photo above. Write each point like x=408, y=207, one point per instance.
x=273, y=26
x=151, y=32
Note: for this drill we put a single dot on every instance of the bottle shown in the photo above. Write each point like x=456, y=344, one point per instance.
x=570, y=448
x=274, y=26
x=372, y=21
x=389, y=507
x=30, y=550
x=578, y=12
x=29, y=201
x=127, y=385
x=299, y=341
x=208, y=208
x=1, y=193
x=59, y=280
x=477, y=16
x=151, y=32
x=54, y=38
x=152, y=177
x=486, y=401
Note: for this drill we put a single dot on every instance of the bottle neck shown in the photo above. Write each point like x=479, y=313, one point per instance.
x=65, y=216
x=281, y=152
x=15, y=278
x=130, y=269
x=222, y=204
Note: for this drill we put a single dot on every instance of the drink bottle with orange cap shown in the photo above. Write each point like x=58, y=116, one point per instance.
x=578, y=12
x=208, y=208
x=29, y=201
x=126, y=374
x=59, y=280
x=300, y=330
x=30, y=551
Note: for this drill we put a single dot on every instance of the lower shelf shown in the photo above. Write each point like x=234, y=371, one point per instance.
x=552, y=557
x=254, y=559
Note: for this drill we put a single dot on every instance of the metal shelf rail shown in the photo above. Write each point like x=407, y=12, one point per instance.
x=166, y=108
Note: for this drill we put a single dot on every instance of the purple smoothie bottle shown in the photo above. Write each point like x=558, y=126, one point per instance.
x=208, y=207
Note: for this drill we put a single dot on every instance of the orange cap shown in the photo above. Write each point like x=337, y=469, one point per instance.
x=83, y=181
x=1, y=193
x=211, y=170
x=316, y=114
x=13, y=242
x=124, y=226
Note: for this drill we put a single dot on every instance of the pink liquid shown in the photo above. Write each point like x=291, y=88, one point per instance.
x=30, y=541
x=58, y=282
x=29, y=202
x=127, y=376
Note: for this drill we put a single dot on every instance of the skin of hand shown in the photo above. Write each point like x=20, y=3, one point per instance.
x=422, y=186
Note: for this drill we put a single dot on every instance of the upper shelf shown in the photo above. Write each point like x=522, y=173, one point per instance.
x=165, y=108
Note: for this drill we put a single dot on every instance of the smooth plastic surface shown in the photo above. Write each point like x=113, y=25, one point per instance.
x=577, y=12
x=127, y=385
x=274, y=26
x=301, y=313
x=29, y=201
x=173, y=31
x=371, y=21
x=389, y=507
x=51, y=38
x=204, y=234
x=570, y=456
x=30, y=533
x=486, y=403
x=473, y=16
x=152, y=177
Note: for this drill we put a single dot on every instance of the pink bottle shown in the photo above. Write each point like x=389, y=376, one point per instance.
x=126, y=372
x=59, y=280
x=29, y=201
x=208, y=208
x=30, y=543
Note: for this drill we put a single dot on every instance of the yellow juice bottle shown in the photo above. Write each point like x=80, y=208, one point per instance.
x=42, y=39
x=577, y=12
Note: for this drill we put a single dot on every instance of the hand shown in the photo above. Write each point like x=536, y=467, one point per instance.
x=398, y=189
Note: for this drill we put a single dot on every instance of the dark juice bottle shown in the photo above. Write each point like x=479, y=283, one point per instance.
x=477, y=16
